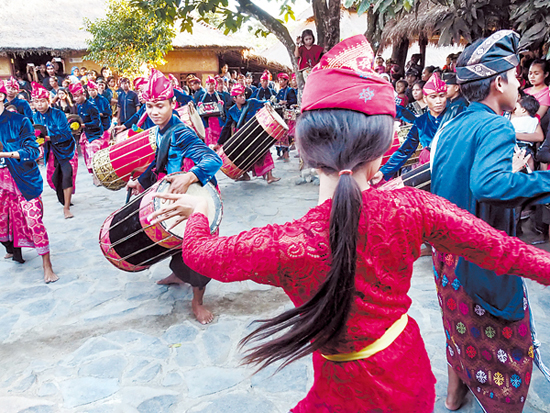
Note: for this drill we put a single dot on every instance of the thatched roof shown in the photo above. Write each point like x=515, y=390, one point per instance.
x=414, y=25
x=46, y=25
x=57, y=26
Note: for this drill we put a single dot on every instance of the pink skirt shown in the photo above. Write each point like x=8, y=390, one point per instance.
x=50, y=168
x=263, y=165
x=21, y=220
x=213, y=131
x=90, y=148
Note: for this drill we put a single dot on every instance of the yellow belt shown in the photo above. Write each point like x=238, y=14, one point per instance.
x=381, y=344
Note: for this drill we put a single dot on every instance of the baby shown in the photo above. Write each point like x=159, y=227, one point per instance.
x=400, y=88
x=525, y=121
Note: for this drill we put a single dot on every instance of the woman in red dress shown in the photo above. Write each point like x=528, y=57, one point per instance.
x=347, y=264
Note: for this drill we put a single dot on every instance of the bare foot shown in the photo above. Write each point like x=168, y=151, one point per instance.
x=8, y=256
x=67, y=213
x=202, y=315
x=426, y=251
x=456, y=391
x=49, y=276
x=244, y=177
x=170, y=280
x=273, y=179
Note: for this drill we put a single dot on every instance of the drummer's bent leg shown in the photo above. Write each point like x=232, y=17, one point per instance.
x=198, y=282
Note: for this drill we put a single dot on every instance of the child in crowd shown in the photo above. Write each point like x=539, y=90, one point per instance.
x=401, y=98
x=379, y=67
x=525, y=121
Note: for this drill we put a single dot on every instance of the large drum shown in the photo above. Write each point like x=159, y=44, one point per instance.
x=131, y=243
x=419, y=178
x=251, y=142
x=189, y=116
x=115, y=165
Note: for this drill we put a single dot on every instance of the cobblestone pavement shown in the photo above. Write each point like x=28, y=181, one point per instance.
x=102, y=340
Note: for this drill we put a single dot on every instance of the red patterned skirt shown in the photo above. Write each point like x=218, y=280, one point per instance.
x=21, y=220
x=493, y=356
x=90, y=148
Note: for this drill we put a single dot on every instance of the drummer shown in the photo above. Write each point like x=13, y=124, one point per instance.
x=91, y=139
x=175, y=142
x=423, y=131
x=212, y=124
x=236, y=117
x=286, y=98
x=140, y=119
x=21, y=207
x=103, y=106
x=60, y=153
x=264, y=92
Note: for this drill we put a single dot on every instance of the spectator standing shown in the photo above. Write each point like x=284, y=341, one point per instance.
x=128, y=102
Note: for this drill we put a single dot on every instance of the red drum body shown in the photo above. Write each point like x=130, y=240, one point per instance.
x=113, y=166
x=251, y=142
x=131, y=243
x=191, y=118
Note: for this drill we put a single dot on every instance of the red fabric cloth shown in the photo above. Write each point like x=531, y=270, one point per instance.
x=159, y=88
x=309, y=57
x=394, y=225
x=39, y=91
x=344, y=79
x=434, y=85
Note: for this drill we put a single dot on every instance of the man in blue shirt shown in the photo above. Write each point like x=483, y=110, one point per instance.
x=22, y=106
x=128, y=102
x=60, y=153
x=20, y=202
x=175, y=142
x=237, y=116
x=286, y=98
x=264, y=92
x=91, y=139
x=472, y=167
x=103, y=106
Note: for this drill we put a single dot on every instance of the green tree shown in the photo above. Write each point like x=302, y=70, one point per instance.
x=127, y=38
x=326, y=13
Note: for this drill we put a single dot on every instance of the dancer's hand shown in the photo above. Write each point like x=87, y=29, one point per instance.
x=135, y=186
x=179, y=184
x=378, y=176
x=519, y=160
x=182, y=207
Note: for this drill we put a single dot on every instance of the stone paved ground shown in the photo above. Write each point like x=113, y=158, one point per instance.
x=101, y=340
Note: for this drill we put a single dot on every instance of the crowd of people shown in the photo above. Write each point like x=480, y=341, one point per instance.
x=347, y=264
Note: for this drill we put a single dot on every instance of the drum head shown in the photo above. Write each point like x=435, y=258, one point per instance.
x=207, y=192
x=197, y=121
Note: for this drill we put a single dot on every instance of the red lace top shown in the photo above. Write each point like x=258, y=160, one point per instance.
x=394, y=224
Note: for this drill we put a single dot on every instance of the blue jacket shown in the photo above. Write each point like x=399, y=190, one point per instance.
x=22, y=107
x=287, y=94
x=263, y=94
x=127, y=105
x=175, y=142
x=17, y=135
x=238, y=117
x=61, y=140
x=92, y=122
x=181, y=97
x=105, y=111
x=472, y=167
x=423, y=131
x=454, y=108
x=147, y=123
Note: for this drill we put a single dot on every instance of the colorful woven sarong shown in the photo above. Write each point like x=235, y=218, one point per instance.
x=21, y=220
x=493, y=356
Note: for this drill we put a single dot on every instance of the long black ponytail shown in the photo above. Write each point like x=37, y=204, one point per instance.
x=330, y=140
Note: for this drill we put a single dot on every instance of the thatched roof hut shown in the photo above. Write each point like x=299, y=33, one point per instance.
x=35, y=31
x=422, y=24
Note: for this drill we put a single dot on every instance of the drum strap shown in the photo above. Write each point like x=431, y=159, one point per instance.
x=240, y=123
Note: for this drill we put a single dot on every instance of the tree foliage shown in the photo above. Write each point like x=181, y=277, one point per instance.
x=127, y=38
x=532, y=19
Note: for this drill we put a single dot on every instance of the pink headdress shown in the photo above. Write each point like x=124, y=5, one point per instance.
x=12, y=83
x=434, y=85
x=76, y=89
x=3, y=87
x=237, y=90
x=159, y=88
x=283, y=76
x=344, y=79
x=39, y=91
x=265, y=76
x=139, y=81
x=210, y=79
x=92, y=85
